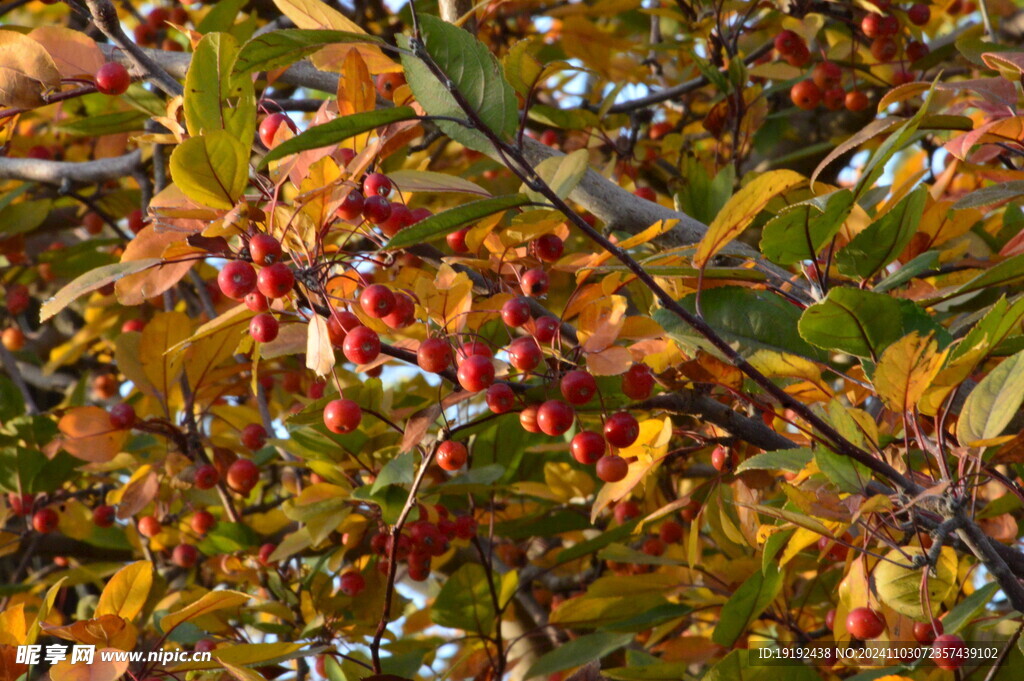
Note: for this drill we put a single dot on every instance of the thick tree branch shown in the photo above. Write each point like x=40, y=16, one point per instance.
x=58, y=172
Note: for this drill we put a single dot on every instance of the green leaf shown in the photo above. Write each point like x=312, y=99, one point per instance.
x=11, y=402
x=338, y=130
x=597, y=543
x=216, y=98
x=91, y=281
x=621, y=553
x=465, y=601
x=700, y=196
x=567, y=119
x=228, y=537
x=997, y=325
x=884, y=239
x=31, y=471
x=474, y=72
x=473, y=479
x=561, y=173
x=969, y=608
x=750, y=320
x=746, y=604
x=897, y=141
x=398, y=471
x=993, y=403
x=445, y=222
x=666, y=612
x=391, y=499
x=1009, y=271
x=986, y=196
x=775, y=542
x=212, y=170
x=793, y=460
x=221, y=16
x=663, y=671
x=578, y=653
x=544, y=524
x=24, y=216
x=928, y=260
x=842, y=471
x=852, y=321
x=800, y=231
x=280, y=48
x=105, y=124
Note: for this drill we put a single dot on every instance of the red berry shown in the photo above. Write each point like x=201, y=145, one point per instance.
x=653, y=546
x=515, y=312
x=799, y=57
x=612, y=468
x=637, y=382
x=856, y=100
x=949, y=652
x=352, y=206
x=256, y=301
x=93, y=223
x=264, y=554
x=122, y=416
x=926, y=632
x=157, y=17
x=376, y=209
x=377, y=300
x=206, y=477
x=20, y=504
x=548, y=247
x=834, y=99
x=865, y=623
x=387, y=83
x=264, y=249
x=830, y=619
x=112, y=79
x=826, y=75
x=434, y=355
x=659, y=130
x=254, y=436
x=40, y=153
x=621, y=429
x=339, y=324
x=805, y=94
x=476, y=373
x=133, y=325
x=103, y=516
x=136, y=221
x=205, y=645
x=690, y=511
x=149, y=526
x=243, y=475
x=889, y=25
x=787, y=41
x=902, y=77
x=473, y=348
x=275, y=281
x=670, y=532
x=545, y=328
x=835, y=550
x=528, y=419
x=263, y=328
x=270, y=125
x=184, y=555
x=400, y=218
x=524, y=353
x=202, y=522
x=361, y=346
x=377, y=184
x=457, y=240
x=578, y=387
x=916, y=50
x=451, y=455
x=342, y=416
x=588, y=447
x=500, y=398
x=919, y=14
x=549, y=138
x=236, y=279
x=352, y=583
x=555, y=417
x=724, y=459
x=535, y=282
x=465, y=527
x=646, y=193
x=884, y=49
x=403, y=314
x=45, y=520
x=871, y=25
x=626, y=511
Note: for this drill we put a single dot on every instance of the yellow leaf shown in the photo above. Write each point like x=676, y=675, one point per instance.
x=89, y=436
x=126, y=592
x=522, y=68
x=611, y=361
x=319, y=350
x=99, y=670
x=212, y=601
x=567, y=483
x=44, y=611
x=801, y=539
x=315, y=14
x=741, y=209
x=356, y=92
x=899, y=586
x=162, y=368
x=562, y=173
x=906, y=370
x=600, y=322
x=449, y=299
x=13, y=625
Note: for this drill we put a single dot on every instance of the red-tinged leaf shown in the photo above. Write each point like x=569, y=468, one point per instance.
x=417, y=426
x=150, y=244
x=89, y=436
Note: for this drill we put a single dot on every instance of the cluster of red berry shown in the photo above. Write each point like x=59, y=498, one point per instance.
x=421, y=541
x=885, y=35
x=866, y=623
x=152, y=30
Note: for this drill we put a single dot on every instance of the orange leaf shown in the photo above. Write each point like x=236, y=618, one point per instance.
x=89, y=436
